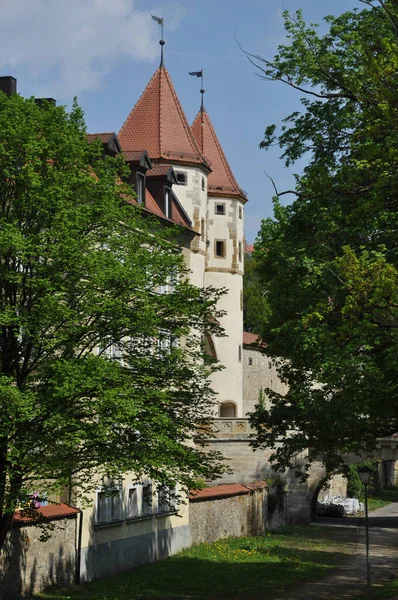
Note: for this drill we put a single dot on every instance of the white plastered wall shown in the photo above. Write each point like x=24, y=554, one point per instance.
x=226, y=272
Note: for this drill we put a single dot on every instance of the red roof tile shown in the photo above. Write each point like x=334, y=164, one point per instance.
x=249, y=248
x=221, y=180
x=49, y=512
x=104, y=137
x=158, y=124
x=251, y=338
x=220, y=491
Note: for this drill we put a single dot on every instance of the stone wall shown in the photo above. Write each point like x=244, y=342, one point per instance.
x=245, y=514
x=259, y=372
x=28, y=565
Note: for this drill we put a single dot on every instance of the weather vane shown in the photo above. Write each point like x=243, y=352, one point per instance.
x=202, y=91
x=159, y=20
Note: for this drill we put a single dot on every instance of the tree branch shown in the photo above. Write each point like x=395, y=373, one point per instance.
x=281, y=193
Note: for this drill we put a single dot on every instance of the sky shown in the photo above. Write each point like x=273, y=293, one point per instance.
x=105, y=51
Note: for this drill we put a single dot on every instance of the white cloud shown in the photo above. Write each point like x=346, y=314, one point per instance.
x=65, y=47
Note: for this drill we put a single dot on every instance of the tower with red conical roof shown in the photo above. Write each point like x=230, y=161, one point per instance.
x=208, y=192
x=158, y=124
x=224, y=261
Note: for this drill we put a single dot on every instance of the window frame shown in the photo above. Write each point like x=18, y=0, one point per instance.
x=224, y=246
x=140, y=188
x=217, y=205
x=184, y=174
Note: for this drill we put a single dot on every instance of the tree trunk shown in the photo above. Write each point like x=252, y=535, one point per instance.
x=5, y=525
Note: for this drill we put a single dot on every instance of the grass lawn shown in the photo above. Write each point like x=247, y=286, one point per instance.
x=233, y=568
x=382, y=498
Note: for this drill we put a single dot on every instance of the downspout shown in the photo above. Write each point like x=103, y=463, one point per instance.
x=79, y=546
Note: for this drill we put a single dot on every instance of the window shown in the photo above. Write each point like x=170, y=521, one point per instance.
x=166, y=499
x=132, y=506
x=140, y=500
x=227, y=409
x=241, y=300
x=203, y=230
x=146, y=499
x=166, y=342
x=250, y=361
x=240, y=212
x=240, y=353
x=219, y=209
x=240, y=251
x=109, y=504
x=203, y=184
x=169, y=285
x=167, y=203
x=182, y=178
x=140, y=188
x=220, y=248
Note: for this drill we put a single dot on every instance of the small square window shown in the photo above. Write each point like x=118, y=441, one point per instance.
x=219, y=209
x=250, y=361
x=220, y=248
x=240, y=212
x=203, y=184
x=182, y=178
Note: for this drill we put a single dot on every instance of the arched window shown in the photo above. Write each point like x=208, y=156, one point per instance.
x=208, y=346
x=227, y=409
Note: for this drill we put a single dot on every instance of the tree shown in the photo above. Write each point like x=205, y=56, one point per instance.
x=329, y=261
x=255, y=306
x=93, y=379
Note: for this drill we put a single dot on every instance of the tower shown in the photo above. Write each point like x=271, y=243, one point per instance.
x=158, y=124
x=224, y=262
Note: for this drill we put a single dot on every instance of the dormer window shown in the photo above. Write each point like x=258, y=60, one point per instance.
x=140, y=188
x=182, y=178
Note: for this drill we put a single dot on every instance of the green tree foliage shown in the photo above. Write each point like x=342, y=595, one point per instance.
x=255, y=306
x=329, y=260
x=92, y=380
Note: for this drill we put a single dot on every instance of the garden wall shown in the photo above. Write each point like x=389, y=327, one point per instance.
x=28, y=565
x=233, y=510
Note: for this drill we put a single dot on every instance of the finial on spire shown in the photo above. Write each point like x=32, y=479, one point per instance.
x=159, y=20
x=202, y=91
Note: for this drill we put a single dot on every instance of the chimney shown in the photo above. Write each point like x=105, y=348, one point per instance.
x=8, y=85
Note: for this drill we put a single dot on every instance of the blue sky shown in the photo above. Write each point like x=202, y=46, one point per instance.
x=105, y=51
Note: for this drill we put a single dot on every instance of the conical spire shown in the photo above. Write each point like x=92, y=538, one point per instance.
x=158, y=124
x=221, y=180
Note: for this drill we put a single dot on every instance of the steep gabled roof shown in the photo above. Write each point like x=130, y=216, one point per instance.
x=158, y=124
x=221, y=179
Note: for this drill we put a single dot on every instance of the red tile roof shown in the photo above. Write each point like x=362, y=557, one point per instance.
x=220, y=491
x=104, y=137
x=251, y=338
x=49, y=513
x=158, y=124
x=249, y=248
x=225, y=491
x=221, y=180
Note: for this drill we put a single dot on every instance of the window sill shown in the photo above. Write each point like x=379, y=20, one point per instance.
x=166, y=513
x=107, y=524
x=140, y=518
